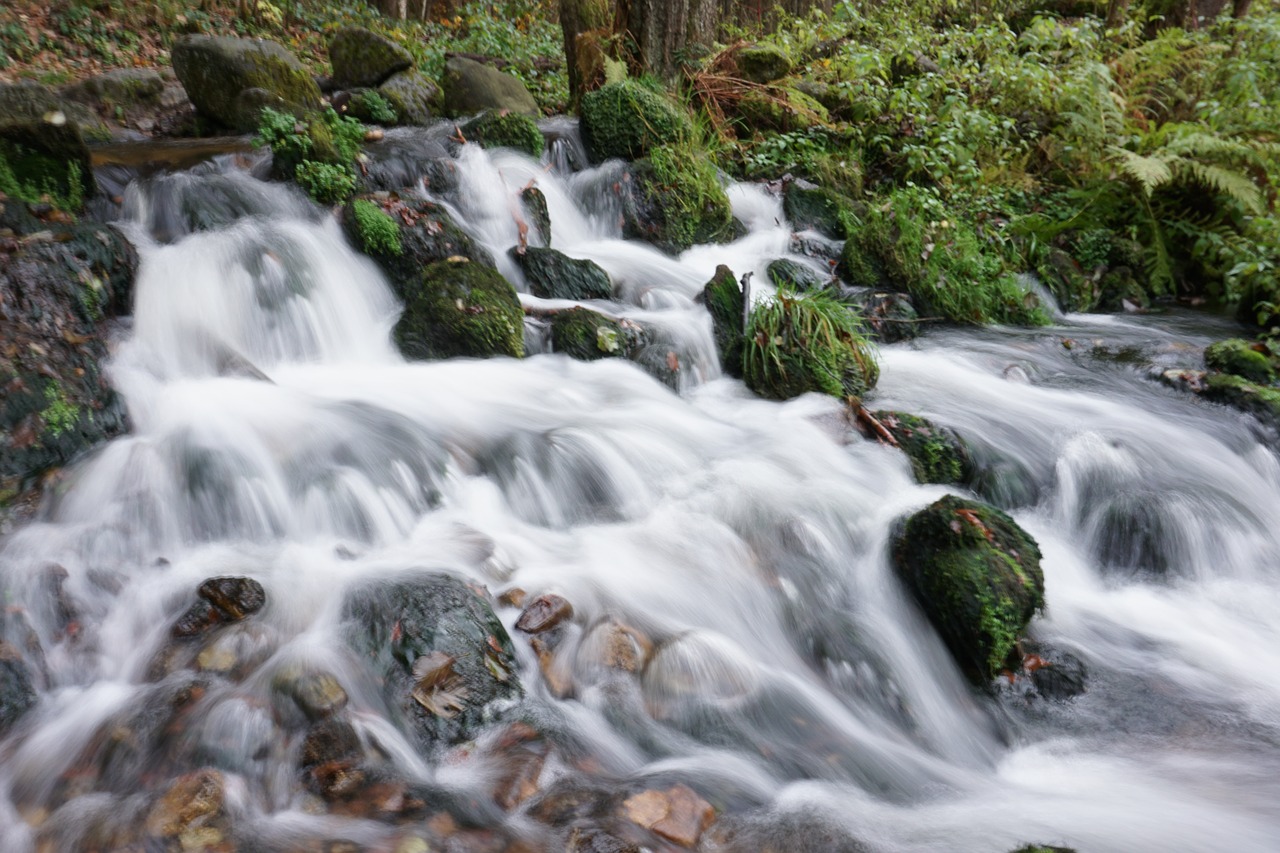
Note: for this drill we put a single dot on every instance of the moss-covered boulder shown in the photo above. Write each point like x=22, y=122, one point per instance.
x=471, y=87
x=363, y=58
x=554, y=275
x=537, y=215
x=727, y=304
x=505, y=130
x=442, y=659
x=1259, y=400
x=784, y=272
x=782, y=110
x=674, y=200
x=1241, y=358
x=460, y=308
x=413, y=96
x=937, y=454
x=763, y=63
x=55, y=401
x=119, y=87
x=819, y=209
x=588, y=335
x=976, y=575
x=796, y=343
x=627, y=120
x=42, y=149
x=425, y=233
x=231, y=79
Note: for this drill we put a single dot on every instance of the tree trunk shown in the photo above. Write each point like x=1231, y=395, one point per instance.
x=1117, y=13
x=665, y=32
x=1240, y=8
x=586, y=25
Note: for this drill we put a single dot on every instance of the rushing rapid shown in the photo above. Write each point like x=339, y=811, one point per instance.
x=277, y=434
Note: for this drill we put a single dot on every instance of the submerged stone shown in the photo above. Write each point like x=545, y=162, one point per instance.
x=976, y=575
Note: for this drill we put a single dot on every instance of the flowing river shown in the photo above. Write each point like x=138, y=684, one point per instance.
x=277, y=434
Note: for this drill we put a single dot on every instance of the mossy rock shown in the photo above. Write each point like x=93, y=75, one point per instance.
x=1241, y=358
x=460, y=308
x=427, y=233
x=412, y=95
x=628, y=120
x=42, y=149
x=231, y=79
x=763, y=63
x=399, y=625
x=726, y=303
x=587, y=335
x=819, y=209
x=535, y=208
x=860, y=265
x=554, y=275
x=889, y=317
x=780, y=110
x=369, y=106
x=800, y=343
x=505, y=130
x=1067, y=281
x=937, y=454
x=674, y=200
x=1121, y=290
x=785, y=272
x=471, y=87
x=1257, y=400
x=120, y=87
x=976, y=575
x=363, y=58
x=377, y=231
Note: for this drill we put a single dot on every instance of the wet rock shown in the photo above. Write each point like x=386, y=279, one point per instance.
x=55, y=402
x=556, y=669
x=675, y=200
x=937, y=454
x=1042, y=848
x=396, y=623
x=727, y=304
x=330, y=741
x=818, y=209
x=544, y=613
x=119, y=87
x=318, y=694
x=42, y=142
x=426, y=233
x=520, y=752
x=493, y=129
x=223, y=600
x=413, y=96
x=17, y=693
x=614, y=645
x=535, y=209
x=889, y=317
x=628, y=120
x=552, y=274
x=761, y=63
x=785, y=272
x=191, y=812
x=1056, y=674
x=470, y=87
x=363, y=58
x=460, y=308
x=677, y=814
x=596, y=840
x=796, y=832
x=1238, y=357
x=976, y=575
x=231, y=79
x=1261, y=401
x=569, y=799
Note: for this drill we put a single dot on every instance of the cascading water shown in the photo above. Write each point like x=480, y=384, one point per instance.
x=278, y=435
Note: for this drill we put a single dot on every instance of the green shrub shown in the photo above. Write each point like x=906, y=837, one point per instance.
x=377, y=230
x=316, y=152
x=327, y=183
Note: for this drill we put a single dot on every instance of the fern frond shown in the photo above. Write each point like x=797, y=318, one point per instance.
x=1149, y=172
x=1236, y=186
x=1201, y=144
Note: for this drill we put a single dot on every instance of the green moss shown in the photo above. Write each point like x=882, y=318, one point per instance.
x=460, y=308
x=327, y=183
x=726, y=303
x=681, y=202
x=763, y=63
x=316, y=151
x=378, y=231
x=937, y=455
x=796, y=343
x=586, y=335
x=628, y=120
x=505, y=130
x=1239, y=358
x=780, y=110
x=941, y=261
x=60, y=416
x=1244, y=395
x=976, y=574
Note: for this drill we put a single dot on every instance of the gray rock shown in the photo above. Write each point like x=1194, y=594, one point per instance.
x=231, y=79
x=413, y=96
x=364, y=58
x=470, y=87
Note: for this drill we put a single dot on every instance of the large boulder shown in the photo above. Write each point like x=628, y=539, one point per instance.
x=444, y=661
x=458, y=307
x=119, y=87
x=364, y=58
x=674, y=199
x=976, y=575
x=763, y=63
x=412, y=95
x=231, y=79
x=627, y=120
x=403, y=235
x=587, y=335
x=54, y=399
x=471, y=87
x=727, y=304
x=42, y=149
x=554, y=275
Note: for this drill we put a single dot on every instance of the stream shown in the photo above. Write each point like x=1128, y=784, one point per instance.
x=277, y=434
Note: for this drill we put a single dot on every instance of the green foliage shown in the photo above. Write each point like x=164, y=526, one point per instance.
x=31, y=177
x=627, y=119
x=376, y=107
x=327, y=183
x=316, y=152
x=378, y=231
x=797, y=343
x=1240, y=358
x=685, y=188
x=60, y=416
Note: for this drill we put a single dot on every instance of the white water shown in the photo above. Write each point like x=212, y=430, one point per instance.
x=277, y=434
